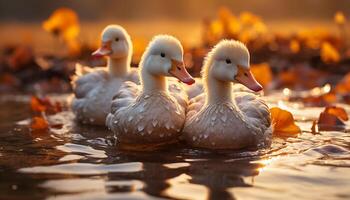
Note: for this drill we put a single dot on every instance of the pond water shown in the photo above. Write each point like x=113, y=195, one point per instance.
x=82, y=162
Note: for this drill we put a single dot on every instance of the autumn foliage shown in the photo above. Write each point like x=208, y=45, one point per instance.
x=332, y=118
x=283, y=123
x=64, y=23
x=42, y=107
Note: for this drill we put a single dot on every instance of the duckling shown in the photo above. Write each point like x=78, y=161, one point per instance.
x=94, y=88
x=220, y=118
x=153, y=112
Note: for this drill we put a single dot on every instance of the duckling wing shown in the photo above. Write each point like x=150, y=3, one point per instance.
x=134, y=76
x=176, y=89
x=86, y=79
x=126, y=95
x=254, y=109
x=195, y=105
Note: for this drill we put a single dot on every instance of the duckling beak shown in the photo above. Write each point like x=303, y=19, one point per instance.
x=245, y=77
x=104, y=50
x=179, y=71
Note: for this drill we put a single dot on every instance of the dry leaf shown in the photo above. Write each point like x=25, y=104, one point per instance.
x=331, y=119
x=283, y=123
x=39, y=123
x=337, y=111
x=45, y=105
x=37, y=104
x=329, y=54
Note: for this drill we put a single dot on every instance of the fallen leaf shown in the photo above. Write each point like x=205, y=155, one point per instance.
x=331, y=119
x=337, y=111
x=283, y=123
x=329, y=54
x=37, y=104
x=45, y=105
x=39, y=123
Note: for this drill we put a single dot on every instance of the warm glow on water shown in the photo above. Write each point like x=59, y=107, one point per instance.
x=77, y=162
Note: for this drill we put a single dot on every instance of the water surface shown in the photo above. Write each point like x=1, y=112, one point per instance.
x=82, y=162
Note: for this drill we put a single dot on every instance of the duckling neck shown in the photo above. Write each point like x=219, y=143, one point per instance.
x=218, y=91
x=153, y=83
x=118, y=67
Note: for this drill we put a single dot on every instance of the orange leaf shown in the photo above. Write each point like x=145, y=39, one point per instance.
x=39, y=123
x=283, y=123
x=331, y=119
x=45, y=105
x=337, y=111
x=37, y=105
x=329, y=54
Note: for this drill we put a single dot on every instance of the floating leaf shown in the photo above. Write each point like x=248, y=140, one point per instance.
x=337, y=111
x=331, y=119
x=283, y=123
x=45, y=105
x=37, y=104
x=39, y=123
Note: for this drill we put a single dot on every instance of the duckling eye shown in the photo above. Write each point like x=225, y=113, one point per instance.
x=116, y=39
x=228, y=61
x=162, y=54
x=178, y=68
x=245, y=74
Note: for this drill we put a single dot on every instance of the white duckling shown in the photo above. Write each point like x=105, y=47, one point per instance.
x=220, y=118
x=94, y=88
x=153, y=112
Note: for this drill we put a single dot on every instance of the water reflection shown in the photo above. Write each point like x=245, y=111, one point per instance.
x=82, y=162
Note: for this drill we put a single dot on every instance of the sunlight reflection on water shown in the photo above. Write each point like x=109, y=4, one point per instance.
x=81, y=162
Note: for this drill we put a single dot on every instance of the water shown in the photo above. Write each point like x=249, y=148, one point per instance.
x=82, y=162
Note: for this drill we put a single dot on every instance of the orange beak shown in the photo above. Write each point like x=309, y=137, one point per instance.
x=245, y=77
x=104, y=50
x=179, y=71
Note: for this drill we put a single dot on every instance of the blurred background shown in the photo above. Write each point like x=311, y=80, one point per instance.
x=145, y=18
x=294, y=44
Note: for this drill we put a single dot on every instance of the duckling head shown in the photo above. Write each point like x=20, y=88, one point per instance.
x=115, y=43
x=229, y=61
x=164, y=57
